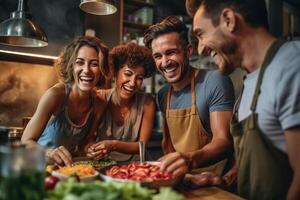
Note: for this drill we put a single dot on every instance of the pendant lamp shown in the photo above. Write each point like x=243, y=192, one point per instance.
x=21, y=29
x=98, y=7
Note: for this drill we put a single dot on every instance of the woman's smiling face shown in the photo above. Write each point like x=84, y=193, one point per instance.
x=86, y=69
x=129, y=80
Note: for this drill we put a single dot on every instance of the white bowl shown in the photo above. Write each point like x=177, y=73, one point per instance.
x=151, y=184
x=81, y=178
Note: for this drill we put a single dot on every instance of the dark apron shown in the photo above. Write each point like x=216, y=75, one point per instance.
x=264, y=171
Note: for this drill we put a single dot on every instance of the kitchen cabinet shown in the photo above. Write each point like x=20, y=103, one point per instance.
x=128, y=23
x=136, y=17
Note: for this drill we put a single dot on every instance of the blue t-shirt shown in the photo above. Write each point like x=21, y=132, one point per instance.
x=278, y=105
x=214, y=92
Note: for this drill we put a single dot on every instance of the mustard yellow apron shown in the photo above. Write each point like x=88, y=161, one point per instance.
x=264, y=172
x=183, y=131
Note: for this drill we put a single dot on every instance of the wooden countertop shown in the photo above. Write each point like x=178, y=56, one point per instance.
x=208, y=193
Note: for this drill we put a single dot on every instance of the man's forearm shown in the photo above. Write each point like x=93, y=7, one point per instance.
x=211, y=153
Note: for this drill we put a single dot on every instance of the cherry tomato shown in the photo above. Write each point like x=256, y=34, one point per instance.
x=50, y=182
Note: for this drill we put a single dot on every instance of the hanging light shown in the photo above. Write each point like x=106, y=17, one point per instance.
x=21, y=29
x=98, y=7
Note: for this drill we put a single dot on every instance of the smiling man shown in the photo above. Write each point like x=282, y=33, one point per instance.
x=267, y=115
x=196, y=104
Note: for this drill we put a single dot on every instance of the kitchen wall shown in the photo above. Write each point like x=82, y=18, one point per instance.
x=21, y=86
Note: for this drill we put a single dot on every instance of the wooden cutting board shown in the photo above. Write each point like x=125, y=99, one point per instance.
x=208, y=193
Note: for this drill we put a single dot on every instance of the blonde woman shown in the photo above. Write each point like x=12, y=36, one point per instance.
x=70, y=109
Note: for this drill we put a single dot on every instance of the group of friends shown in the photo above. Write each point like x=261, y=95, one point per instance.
x=207, y=136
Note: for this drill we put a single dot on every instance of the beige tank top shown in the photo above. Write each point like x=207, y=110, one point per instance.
x=128, y=132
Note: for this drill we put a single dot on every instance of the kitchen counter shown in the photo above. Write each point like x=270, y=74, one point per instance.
x=208, y=193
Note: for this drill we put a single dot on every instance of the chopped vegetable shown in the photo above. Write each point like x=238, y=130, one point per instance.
x=143, y=172
x=79, y=170
x=167, y=193
x=50, y=182
x=73, y=190
x=98, y=164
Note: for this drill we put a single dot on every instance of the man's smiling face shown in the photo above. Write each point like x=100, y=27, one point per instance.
x=215, y=41
x=171, y=56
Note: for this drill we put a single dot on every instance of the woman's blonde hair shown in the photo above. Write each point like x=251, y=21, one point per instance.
x=67, y=57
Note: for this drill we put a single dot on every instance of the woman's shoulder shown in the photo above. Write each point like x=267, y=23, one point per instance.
x=148, y=99
x=56, y=92
x=54, y=96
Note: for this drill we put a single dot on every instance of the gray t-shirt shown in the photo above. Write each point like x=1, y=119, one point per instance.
x=278, y=105
x=214, y=92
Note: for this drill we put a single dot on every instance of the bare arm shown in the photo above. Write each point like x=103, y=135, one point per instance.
x=49, y=104
x=220, y=145
x=130, y=147
x=292, y=137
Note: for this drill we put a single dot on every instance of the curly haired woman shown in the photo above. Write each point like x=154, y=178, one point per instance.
x=130, y=113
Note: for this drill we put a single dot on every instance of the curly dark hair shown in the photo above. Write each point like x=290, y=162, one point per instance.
x=168, y=25
x=68, y=55
x=133, y=55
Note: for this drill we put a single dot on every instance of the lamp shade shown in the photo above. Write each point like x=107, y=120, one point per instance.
x=98, y=7
x=21, y=30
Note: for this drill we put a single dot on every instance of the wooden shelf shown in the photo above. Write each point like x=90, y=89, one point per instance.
x=139, y=3
x=135, y=25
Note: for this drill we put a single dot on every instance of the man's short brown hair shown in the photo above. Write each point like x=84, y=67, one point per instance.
x=168, y=25
x=253, y=11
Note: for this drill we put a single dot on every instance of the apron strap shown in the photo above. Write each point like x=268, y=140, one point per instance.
x=193, y=93
x=192, y=74
x=168, y=101
x=267, y=60
x=237, y=104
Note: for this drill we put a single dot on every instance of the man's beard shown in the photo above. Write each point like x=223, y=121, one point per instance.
x=185, y=71
x=228, y=47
